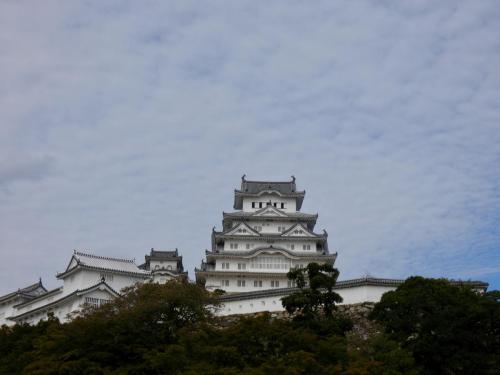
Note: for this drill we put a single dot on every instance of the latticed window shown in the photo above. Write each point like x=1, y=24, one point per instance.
x=270, y=262
x=95, y=302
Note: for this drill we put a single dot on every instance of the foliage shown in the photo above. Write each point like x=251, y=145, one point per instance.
x=449, y=329
x=169, y=329
x=121, y=332
x=317, y=299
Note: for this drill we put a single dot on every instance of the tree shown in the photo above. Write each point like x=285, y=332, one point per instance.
x=123, y=332
x=315, y=296
x=449, y=329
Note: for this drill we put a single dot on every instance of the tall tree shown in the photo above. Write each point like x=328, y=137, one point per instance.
x=449, y=329
x=315, y=296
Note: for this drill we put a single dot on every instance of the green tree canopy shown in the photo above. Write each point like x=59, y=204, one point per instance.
x=315, y=295
x=449, y=329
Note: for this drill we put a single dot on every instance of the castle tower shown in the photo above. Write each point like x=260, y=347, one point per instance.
x=261, y=241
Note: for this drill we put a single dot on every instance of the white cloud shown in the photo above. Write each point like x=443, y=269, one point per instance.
x=126, y=126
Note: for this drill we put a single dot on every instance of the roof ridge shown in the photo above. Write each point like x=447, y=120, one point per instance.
x=104, y=257
x=270, y=182
x=37, y=284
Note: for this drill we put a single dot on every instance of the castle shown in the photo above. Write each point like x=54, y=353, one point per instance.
x=249, y=259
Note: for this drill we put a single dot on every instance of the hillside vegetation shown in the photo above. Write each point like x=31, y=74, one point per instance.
x=424, y=327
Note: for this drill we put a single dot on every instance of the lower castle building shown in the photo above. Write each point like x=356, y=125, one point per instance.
x=265, y=237
x=88, y=280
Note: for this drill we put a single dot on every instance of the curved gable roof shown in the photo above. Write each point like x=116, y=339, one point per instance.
x=256, y=188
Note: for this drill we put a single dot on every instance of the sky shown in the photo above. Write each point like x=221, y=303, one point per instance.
x=127, y=125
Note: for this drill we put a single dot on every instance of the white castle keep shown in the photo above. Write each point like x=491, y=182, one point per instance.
x=249, y=260
x=263, y=240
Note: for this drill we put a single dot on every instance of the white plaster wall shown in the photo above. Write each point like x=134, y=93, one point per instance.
x=290, y=203
x=283, y=243
x=38, y=303
x=350, y=295
x=83, y=279
x=71, y=305
x=233, y=265
x=7, y=309
x=215, y=282
x=368, y=293
x=163, y=264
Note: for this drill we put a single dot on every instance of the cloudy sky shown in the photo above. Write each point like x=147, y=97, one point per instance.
x=127, y=125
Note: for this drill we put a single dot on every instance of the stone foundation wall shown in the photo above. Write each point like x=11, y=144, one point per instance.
x=362, y=326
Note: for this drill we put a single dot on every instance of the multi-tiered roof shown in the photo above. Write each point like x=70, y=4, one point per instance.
x=276, y=206
x=250, y=189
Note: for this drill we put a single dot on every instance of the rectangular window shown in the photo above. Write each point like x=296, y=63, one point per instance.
x=282, y=205
x=291, y=284
x=292, y=246
x=233, y=246
x=242, y=266
x=224, y=283
x=253, y=204
x=248, y=246
x=257, y=283
x=260, y=204
x=306, y=247
x=241, y=283
x=275, y=284
x=275, y=204
x=225, y=266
